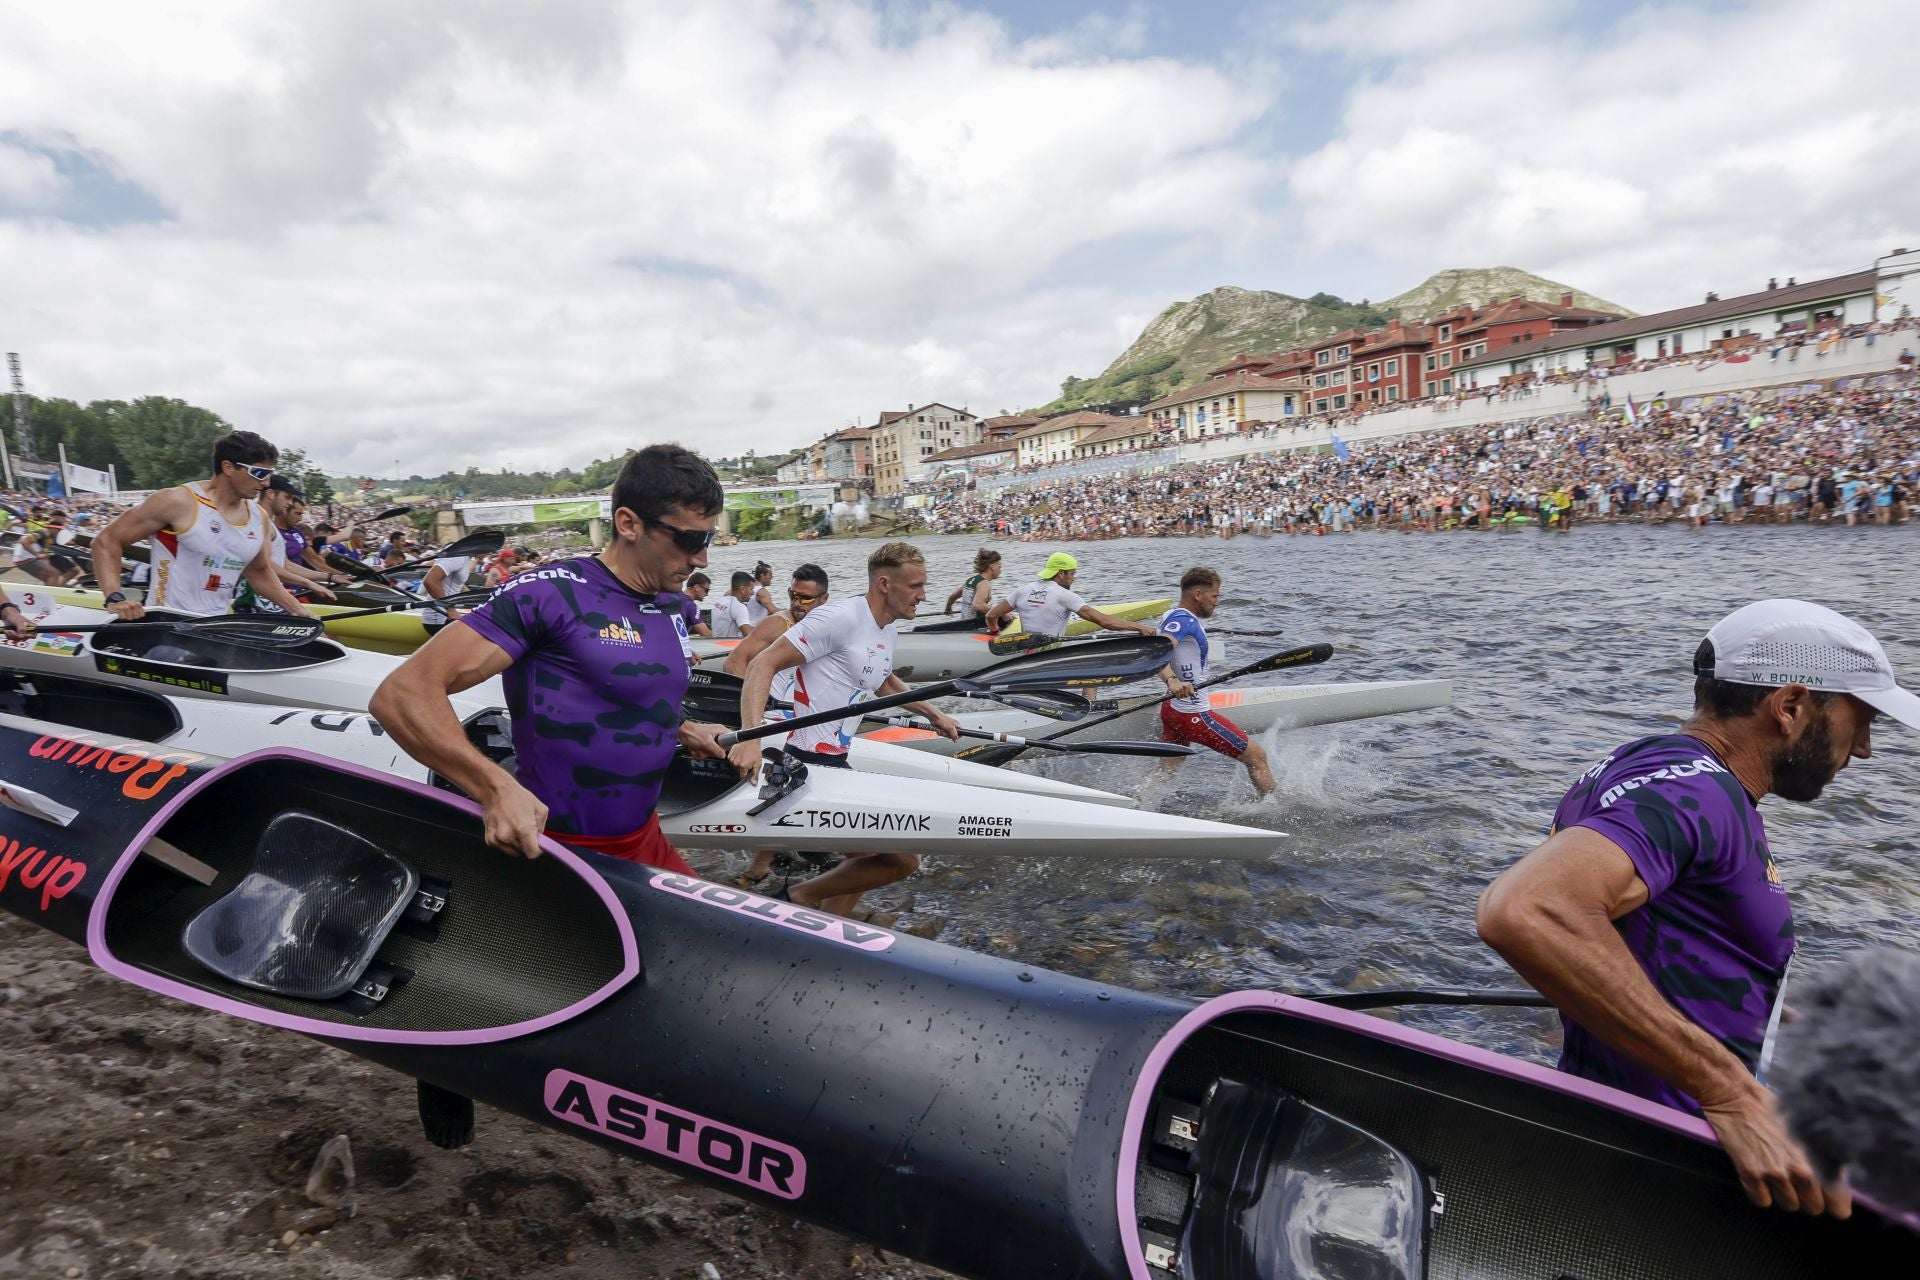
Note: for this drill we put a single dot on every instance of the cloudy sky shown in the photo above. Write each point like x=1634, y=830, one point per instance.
x=481, y=232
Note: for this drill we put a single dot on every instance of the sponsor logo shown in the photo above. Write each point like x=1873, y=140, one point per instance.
x=717, y=828
x=538, y=575
x=55, y=642
x=848, y=933
x=678, y=1134
x=986, y=825
x=834, y=820
x=146, y=775
x=334, y=721
x=1691, y=769
x=622, y=632
x=55, y=876
x=164, y=673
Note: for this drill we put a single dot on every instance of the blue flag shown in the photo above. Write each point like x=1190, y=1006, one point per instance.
x=1339, y=446
x=56, y=487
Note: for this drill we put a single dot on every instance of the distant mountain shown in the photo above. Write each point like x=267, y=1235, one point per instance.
x=1183, y=342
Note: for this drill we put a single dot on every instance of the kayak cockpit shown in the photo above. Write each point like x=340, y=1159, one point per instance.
x=89, y=705
x=320, y=902
x=1258, y=1141
x=205, y=652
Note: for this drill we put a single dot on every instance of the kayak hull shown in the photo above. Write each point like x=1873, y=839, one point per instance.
x=393, y=633
x=984, y=1116
x=1294, y=706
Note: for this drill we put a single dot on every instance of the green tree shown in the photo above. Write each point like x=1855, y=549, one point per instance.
x=166, y=441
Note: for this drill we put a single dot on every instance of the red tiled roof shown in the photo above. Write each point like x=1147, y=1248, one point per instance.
x=1008, y=447
x=1077, y=419
x=1125, y=429
x=1232, y=382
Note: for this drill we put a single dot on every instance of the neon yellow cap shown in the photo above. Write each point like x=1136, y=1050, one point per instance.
x=1057, y=563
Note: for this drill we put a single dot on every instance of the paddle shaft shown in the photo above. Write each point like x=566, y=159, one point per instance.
x=1303, y=655
x=1012, y=740
x=461, y=601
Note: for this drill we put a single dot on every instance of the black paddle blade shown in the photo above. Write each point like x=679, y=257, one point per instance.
x=1302, y=657
x=389, y=514
x=992, y=754
x=347, y=564
x=1119, y=747
x=259, y=630
x=1019, y=642
x=1097, y=662
x=482, y=542
x=1054, y=704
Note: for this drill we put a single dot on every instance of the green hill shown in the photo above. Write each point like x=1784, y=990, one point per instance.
x=1187, y=339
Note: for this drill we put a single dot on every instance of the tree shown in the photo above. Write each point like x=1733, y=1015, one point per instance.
x=166, y=441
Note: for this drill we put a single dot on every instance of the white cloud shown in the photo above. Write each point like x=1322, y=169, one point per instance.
x=456, y=233
x=28, y=179
x=1681, y=149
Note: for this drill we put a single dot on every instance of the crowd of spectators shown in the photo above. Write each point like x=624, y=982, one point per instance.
x=1847, y=456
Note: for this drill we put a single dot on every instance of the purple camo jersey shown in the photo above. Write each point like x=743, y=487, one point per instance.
x=1716, y=931
x=598, y=678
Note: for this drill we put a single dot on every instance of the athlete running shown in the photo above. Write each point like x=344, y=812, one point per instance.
x=206, y=537
x=1047, y=605
x=1190, y=717
x=838, y=653
x=975, y=595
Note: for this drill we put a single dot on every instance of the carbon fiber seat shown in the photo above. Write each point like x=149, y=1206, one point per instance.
x=310, y=913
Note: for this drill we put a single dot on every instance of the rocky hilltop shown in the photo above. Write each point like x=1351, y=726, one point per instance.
x=1188, y=338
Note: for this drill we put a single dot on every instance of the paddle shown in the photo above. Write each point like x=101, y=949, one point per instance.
x=482, y=542
x=1301, y=656
x=389, y=514
x=1096, y=663
x=1119, y=747
x=267, y=630
x=461, y=600
x=710, y=690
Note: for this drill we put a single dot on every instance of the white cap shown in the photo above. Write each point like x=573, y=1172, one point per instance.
x=1778, y=642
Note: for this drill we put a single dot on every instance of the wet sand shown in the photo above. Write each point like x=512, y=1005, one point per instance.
x=141, y=1139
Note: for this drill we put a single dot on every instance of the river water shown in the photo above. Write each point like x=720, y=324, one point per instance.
x=1560, y=648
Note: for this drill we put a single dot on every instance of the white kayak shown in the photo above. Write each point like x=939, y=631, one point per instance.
x=703, y=806
x=1287, y=706
x=320, y=673
x=233, y=728
x=923, y=657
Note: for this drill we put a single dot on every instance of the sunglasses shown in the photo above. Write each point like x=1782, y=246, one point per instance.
x=688, y=540
x=258, y=473
x=797, y=598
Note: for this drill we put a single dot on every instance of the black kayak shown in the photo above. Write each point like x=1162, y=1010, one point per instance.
x=987, y=1117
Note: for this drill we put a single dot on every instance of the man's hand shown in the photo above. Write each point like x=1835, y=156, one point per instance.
x=943, y=724
x=745, y=758
x=1180, y=688
x=321, y=591
x=127, y=610
x=514, y=819
x=19, y=625
x=1147, y=628
x=1773, y=1168
x=702, y=740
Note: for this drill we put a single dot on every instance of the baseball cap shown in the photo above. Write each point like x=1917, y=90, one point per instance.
x=507, y=553
x=1776, y=642
x=1057, y=563
x=281, y=484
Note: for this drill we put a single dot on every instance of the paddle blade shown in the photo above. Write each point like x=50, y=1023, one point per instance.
x=347, y=564
x=1053, y=704
x=1019, y=642
x=1094, y=663
x=482, y=542
x=389, y=514
x=992, y=754
x=1304, y=656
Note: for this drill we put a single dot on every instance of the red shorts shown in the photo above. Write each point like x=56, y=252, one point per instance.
x=1208, y=729
x=647, y=846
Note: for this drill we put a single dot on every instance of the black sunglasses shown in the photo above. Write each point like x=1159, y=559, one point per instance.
x=688, y=540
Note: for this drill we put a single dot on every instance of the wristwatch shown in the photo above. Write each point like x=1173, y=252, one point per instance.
x=116, y=597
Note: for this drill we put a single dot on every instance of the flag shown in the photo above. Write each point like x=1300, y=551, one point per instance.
x=1633, y=414
x=1339, y=446
x=56, y=489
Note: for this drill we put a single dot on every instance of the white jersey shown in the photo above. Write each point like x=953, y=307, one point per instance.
x=848, y=655
x=1045, y=608
x=729, y=618
x=198, y=568
x=1190, y=653
x=458, y=569
x=756, y=610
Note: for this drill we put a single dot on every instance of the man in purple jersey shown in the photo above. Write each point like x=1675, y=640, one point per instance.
x=594, y=655
x=1654, y=917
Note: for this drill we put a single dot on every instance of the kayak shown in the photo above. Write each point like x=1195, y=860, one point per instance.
x=320, y=673
x=217, y=728
x=394, y=633
x=1130, y=611
x=987, y=1117
x=1287, y=706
